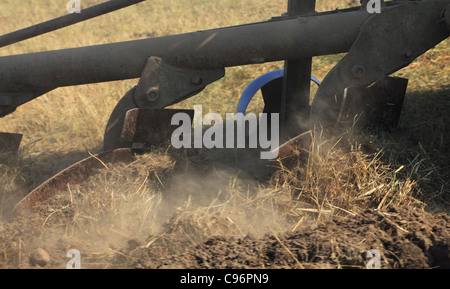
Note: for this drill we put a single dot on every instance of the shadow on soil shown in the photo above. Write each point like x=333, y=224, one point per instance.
x=420, y=143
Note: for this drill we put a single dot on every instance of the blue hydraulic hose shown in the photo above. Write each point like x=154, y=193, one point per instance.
x=257, y=84
x=315, y=80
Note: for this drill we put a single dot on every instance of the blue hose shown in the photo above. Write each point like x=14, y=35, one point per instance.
x=257, y=84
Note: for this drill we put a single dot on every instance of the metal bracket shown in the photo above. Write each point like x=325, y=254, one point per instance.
x=147, y=127
x=9, y=101
x=378, y=105
x=163, y=84
x=388, y=41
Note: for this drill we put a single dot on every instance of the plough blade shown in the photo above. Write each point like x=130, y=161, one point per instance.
x=378, y=105
x=72, y=175
x=142, y=129
x=302, y=141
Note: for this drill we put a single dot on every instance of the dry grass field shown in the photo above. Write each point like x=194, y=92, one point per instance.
x=134, y=216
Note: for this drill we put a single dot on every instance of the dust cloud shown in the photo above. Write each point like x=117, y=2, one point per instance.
x=163, y=201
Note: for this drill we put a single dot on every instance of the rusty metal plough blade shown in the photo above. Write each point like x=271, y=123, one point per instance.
x=74, y=174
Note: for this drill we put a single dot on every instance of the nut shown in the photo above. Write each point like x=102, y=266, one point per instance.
x=408, y=54
x=152, y=95
x=197, y=80
x=358, y=71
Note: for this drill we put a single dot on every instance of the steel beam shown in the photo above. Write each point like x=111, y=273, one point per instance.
x=273, y=40
x=295, y=108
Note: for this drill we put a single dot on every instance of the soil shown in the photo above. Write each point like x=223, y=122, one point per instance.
x=405, y=237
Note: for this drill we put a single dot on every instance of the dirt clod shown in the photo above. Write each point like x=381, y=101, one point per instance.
x=40, y=257
x=338, y=243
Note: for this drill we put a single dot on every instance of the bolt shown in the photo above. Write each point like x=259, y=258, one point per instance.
x=197, y=80
x=358, y=71
x=408, y=54
x=152, y=95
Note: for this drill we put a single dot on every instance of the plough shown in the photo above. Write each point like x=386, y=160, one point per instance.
x=173, y=68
